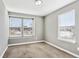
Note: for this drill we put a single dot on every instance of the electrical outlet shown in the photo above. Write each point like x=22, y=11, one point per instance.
x=78, y=49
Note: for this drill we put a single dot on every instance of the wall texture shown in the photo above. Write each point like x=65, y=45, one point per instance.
x=3, y=28
x=38, y=29
x=51, y=28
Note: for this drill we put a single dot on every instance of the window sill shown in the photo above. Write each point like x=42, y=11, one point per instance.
x=21, y=37
x=68, y=40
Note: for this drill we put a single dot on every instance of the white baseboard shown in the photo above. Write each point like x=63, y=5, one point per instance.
x=19, y=44
x=25, y=43
x=75, y=55
x=3, y=52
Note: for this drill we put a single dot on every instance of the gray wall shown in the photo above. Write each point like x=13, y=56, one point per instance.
x=38, y=29
x=3, y=28
x=51, y=28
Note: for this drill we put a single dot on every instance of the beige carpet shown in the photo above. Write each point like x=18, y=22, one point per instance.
x=36, y=50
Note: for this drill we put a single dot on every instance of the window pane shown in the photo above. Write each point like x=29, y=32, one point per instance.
x=15, y=27
x=67, y=25
x=27, y=27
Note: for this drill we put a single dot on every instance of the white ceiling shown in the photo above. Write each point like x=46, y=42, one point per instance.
x=29, y=7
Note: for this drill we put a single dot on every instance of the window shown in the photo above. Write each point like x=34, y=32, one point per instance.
x=19, y=27
x=66, y=26
x=15, y=27
x=27, y=27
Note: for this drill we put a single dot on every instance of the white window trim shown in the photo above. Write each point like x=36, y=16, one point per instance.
x=34, y=24
x=66, y=40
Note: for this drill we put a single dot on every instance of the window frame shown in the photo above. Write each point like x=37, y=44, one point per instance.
x=22, y=27
x=67, y=40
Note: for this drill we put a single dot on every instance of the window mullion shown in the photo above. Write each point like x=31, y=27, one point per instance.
x=22, y=27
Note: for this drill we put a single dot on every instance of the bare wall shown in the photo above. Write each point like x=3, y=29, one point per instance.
x=51, y=28
x=3, y=28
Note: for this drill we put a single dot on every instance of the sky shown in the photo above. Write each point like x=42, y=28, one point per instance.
x=17, y=22
x=67, y=19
